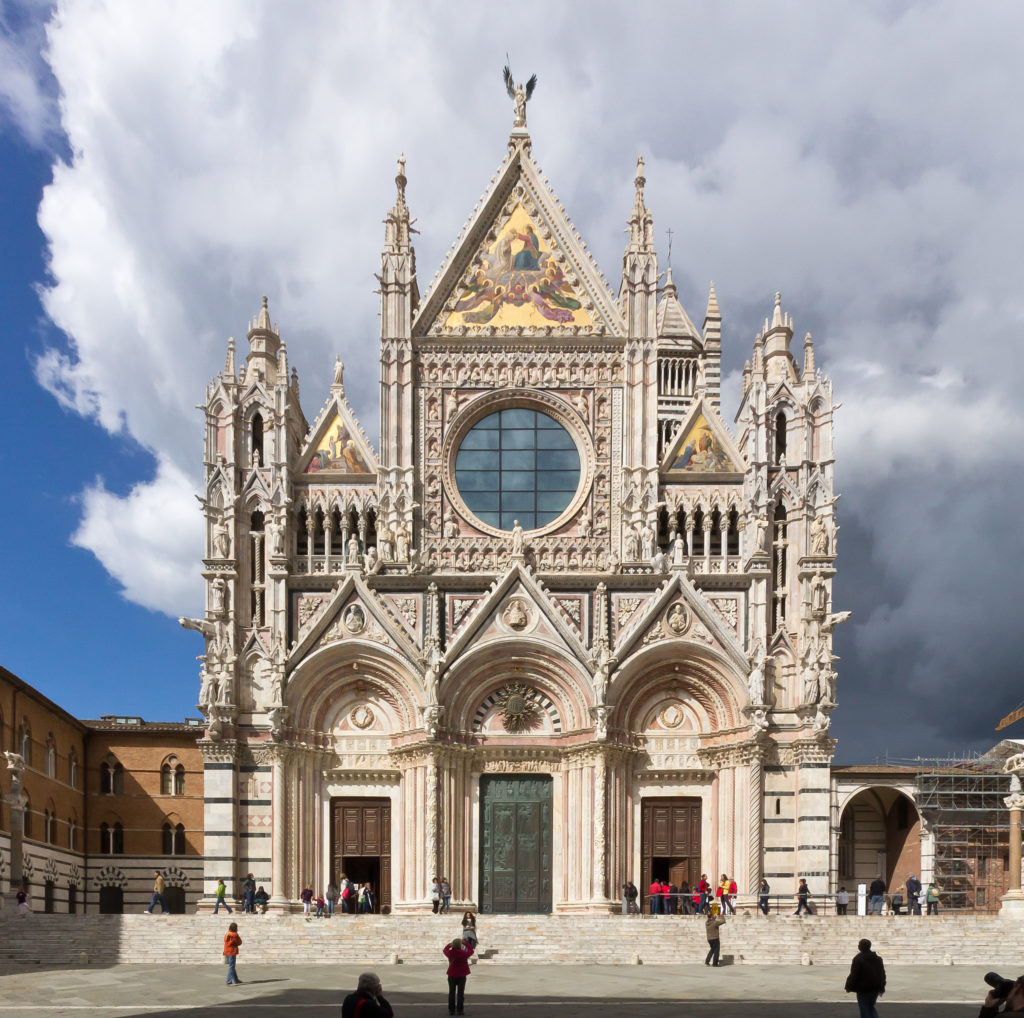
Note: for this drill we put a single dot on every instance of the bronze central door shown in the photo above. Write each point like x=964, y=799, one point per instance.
x=515, y=843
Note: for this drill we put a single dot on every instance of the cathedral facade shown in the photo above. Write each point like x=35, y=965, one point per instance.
x=560, y=627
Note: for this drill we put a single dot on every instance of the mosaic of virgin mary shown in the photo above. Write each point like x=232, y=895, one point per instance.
x=519, y=283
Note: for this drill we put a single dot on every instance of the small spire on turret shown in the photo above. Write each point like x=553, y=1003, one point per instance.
x=808, y=373
x=641, y=222
x=712, y=311
x=295, y=381
x=229, y=361
x=397, y=225
x=282, y=361
x=757, y=369
x=746, y=375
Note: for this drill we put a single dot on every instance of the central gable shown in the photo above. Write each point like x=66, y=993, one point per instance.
x=520, y=268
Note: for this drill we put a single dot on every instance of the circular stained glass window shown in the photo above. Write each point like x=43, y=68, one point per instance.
x=517, y=465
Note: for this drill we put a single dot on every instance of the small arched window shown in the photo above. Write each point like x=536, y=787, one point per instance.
x=27, y=821
x=72, y=834
x=257, y=439
x=780, y=438
x=49, y=827
x=166, y=780
x=179, y=839
x=179, y=780
x=112, y=839
x=73, y=769
x=167, y=843
x=51, y=756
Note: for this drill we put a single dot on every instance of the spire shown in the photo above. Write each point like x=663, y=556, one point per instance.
x=264, y=344
x=712, y=311
x=778, y=332
x=641, y=222
x=229, y=361
x=673, y=321
x=808, y=374
x=397, y=225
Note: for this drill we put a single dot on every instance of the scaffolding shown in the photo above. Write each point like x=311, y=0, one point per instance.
x=961, y=802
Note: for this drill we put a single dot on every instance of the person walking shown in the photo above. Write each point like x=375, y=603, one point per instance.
x=21, y=900
x=232, y=941
x=446, y=895
x=762, y=896
x=913, y=895
x=332, y=897
x=368, y=1001
x=219, y=894
x=366, y=898
x=632, y=894
x=435, y=895
x=866, y=979
x=877, y=894
x=711, y=926
x=249, y=895
x=931, y=898
x=306, y=896
x=705, y=892
x=158, y=894
x=803, y=892
x=346, y=894
x=458, y=953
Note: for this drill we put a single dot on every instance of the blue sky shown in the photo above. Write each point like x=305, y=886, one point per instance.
x=163, y=165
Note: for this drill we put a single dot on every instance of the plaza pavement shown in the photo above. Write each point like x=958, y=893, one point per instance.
x=496, y=991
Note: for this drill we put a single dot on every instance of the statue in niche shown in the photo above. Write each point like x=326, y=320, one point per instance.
x=755, y=683
x=759, y=719
x=371, y=562
x=353, y=549
x=432, y=673
x=451, y=525
x=401, y=543
x=678, y=551
x=760, y=534
x=518, y=540
x=385, y=544
x=632, y=544
x=275, y=537
x=451, y=404
x=221, y=538
x=647, y=537
x=218, y=595
x=432, y=720
x=584, y=522
x=822, y=722
x=819, y=535
x=819, y=596
x=516, y=616
x=601, y=714
x=602, y=673
x=209, y=687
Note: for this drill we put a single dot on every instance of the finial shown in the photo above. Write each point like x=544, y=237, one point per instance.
x=713, y=310
x=519, y=94
x=777, y=320
x=670, y=232
x=400, y=179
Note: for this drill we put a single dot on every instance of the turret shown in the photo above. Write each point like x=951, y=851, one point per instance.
x=779, y=362
x=264, y=347
x=638, y=294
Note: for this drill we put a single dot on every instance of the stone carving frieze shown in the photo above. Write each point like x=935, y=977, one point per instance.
x=728, y=610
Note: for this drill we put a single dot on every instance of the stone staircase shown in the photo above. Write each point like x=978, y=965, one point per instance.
x=506, y=940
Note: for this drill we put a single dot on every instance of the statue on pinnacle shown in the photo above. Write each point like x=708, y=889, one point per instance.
x=519, y=95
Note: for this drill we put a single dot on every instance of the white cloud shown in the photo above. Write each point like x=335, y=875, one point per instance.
x=226, y=150
x=27, y=94
x=129, y=535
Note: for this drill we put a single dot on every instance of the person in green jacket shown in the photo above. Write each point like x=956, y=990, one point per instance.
x=931, y=897
x=219, y=894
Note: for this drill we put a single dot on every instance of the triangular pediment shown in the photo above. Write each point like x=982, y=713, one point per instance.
x=352, y=611
x=337, y=444
x=678, y=611
x=520, y=268
x=517, y=605
x=703, y=449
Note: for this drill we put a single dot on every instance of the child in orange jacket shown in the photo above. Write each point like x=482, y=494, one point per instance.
x=232, y=941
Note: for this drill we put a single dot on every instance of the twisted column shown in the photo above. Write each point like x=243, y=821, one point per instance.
x=755, y=806
x=600, y=828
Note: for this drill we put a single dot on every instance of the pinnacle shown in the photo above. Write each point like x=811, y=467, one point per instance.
x=713, y=310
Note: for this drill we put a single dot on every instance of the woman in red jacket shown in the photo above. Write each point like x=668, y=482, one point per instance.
x=458, y=953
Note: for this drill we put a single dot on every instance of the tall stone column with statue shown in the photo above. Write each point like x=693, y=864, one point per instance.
x=1013, y=900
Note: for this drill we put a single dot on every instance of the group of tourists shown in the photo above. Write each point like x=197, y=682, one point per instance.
x=668, y=899
x=347, y=896
x=912, y=895
x=441, y=895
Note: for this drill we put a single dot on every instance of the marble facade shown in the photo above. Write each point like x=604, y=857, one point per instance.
x=379, y=630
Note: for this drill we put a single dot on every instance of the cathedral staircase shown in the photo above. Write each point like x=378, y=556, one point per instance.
x=79, y=940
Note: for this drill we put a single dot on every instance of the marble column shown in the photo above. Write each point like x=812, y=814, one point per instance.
x=600, y=889
x=16, y=803
x=279, y=896
x=755, y=820
x=1013, y=900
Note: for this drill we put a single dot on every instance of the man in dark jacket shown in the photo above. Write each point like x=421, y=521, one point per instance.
x=1014, y=1001
x=866, y=979
x=913, y=895
x=368, y=1000
x=877, y=893
x=249, y=894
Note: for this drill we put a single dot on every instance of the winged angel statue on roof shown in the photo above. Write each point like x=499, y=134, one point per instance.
x=519, y=95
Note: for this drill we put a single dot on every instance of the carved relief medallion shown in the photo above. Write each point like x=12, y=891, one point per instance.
x=518, y=710
x=672, y=716
x=678, y=618
x=516, y=615
x=362, y=716
x=355, y=619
